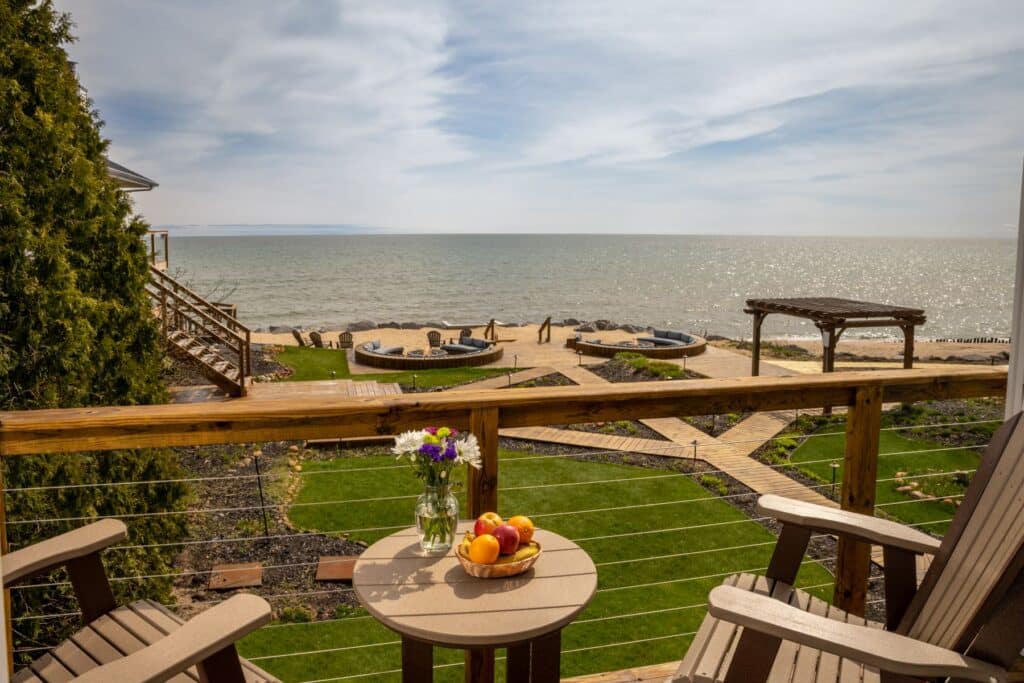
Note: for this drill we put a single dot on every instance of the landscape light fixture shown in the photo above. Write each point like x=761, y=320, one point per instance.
x=835, y=467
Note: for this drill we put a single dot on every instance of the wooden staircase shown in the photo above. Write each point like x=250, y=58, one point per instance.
x=198, y=330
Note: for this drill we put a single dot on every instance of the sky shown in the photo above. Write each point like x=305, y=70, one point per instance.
x=836, y=118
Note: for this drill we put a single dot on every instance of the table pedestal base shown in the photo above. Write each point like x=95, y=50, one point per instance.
x=535, y=661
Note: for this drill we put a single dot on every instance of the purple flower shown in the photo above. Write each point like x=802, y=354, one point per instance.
x=432, y=450
x=450, y=453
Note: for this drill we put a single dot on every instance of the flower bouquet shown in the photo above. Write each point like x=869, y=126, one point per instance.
x=432, y=454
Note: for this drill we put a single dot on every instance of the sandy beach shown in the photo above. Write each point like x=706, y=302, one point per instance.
x=522, y=350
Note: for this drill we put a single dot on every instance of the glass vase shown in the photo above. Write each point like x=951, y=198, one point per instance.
x=437, y=514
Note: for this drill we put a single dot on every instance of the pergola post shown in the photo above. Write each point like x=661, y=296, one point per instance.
x=755, y=362
x=908, y=346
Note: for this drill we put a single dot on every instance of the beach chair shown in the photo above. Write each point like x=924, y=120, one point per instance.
x=465, y=332
x=434, y=339
x=317, y=340
x=345, y=340
x=142, y=641
x=298, y=337
x=964, y=622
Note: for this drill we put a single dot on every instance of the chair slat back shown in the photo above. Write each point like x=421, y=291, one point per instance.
x=982, y=552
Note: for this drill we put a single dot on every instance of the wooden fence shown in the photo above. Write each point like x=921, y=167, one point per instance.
x=484, y=412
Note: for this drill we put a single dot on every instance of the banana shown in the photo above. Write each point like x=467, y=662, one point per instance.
x=525, y=551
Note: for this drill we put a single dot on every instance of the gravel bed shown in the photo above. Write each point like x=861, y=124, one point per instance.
x=284, y=545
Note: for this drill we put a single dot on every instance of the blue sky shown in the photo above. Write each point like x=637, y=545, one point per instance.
x=841, y=118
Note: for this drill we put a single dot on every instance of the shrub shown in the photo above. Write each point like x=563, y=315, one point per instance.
x=76, y=327
x=714, y=483
x=295, y=615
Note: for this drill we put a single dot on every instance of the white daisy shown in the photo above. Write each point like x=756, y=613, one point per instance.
x=468, y=450
x=408, y=442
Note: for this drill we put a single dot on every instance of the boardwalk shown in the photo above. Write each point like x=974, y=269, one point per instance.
x=261, y=391
x=504, y=380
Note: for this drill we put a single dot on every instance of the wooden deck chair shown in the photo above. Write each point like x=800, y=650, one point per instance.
x=139, y=642
x=318, y=341
x=465, y=332
x=345, y=340
x=298, y=337
x=434, y=339
x=964, y=622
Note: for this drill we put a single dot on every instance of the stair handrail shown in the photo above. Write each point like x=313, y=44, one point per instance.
x=202, y=302
x=202, y=313
x=546, y=325
x=239, y=343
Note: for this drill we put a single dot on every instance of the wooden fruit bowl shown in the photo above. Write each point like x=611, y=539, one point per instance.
x=497, y=571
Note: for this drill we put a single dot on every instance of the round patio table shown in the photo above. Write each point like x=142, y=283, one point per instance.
x=431, y=600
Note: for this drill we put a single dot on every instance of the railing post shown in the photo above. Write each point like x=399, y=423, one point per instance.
x=860, y=475
x=6, y=632
x=482, y=488
x=481, y=497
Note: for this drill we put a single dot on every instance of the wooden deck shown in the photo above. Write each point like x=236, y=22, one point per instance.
x=264, y=391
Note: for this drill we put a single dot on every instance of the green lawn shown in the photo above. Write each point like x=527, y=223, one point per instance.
x=314, y=364
x=894, y=457
x=637, y=570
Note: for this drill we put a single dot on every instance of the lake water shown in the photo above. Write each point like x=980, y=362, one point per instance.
x=691, y=282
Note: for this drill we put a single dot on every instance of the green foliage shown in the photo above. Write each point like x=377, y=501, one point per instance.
x=658, y=368
x=295, y=615
x=75, y=324
x=716, y=484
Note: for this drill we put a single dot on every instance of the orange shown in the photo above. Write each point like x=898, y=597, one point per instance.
x=524, y=526
x=484, y=549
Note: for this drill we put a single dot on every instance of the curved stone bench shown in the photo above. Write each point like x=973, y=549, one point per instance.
x=395, y=362
x=694, y=348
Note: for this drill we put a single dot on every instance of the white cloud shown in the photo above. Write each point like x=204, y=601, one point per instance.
x=571, y=116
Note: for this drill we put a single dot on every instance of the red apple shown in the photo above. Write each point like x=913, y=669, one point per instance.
x=508, y=538
x=487, y=523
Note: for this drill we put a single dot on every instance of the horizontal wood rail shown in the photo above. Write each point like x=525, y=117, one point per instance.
x=109, y=428
x=484, y=412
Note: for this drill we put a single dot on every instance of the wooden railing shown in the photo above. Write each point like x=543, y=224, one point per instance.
x=179, y=308
x=159, y=258
x=484, y=412
x=544, y=327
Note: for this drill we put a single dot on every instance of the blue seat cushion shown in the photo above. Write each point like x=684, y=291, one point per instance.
x=660, y=334
x=660, y=341
x=372, y=345
x=391, y=350
x=459, y=348
x=478, y=343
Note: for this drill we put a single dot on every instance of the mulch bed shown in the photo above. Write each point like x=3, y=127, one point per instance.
x=628, y=428
x=555, y=379
x=616, y=371
x=284, y=545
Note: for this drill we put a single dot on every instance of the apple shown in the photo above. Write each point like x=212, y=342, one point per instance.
x=487, y=523
x=508, y=537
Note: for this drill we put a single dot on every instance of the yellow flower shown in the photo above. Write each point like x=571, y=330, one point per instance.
x=430, y=438
x=443, y=432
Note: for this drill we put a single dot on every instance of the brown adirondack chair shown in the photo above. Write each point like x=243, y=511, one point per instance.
x=317, y=339
x=434, y=339
x=298, y=337
x=964, y=622
x=345, y=340
x=140, y=642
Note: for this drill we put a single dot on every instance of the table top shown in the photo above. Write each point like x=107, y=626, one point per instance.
x=431, y=598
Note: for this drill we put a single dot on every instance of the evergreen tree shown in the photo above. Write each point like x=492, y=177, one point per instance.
x=76, y=328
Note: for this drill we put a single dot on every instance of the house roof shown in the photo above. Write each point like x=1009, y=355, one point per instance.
x=129, y=180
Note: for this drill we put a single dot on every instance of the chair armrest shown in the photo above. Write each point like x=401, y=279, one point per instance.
x=196, y=639
x=56, y=551
x=850, y=524
x=875, y=647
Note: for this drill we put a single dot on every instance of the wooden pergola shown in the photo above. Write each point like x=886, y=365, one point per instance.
x=833, y=317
